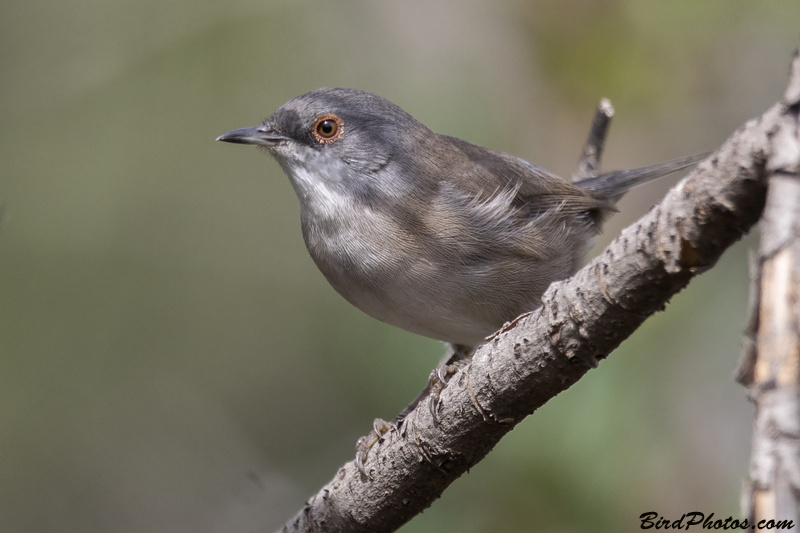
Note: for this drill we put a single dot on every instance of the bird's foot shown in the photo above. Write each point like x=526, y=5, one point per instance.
x=364, y=444
x=437, y=381
x=456, y=357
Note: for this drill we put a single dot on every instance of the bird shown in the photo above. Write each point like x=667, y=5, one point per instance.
x=428, y=232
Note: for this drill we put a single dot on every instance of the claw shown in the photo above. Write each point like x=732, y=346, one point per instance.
x=433, y=403
x=364, y=444
x=444, y=371
x=437, y=381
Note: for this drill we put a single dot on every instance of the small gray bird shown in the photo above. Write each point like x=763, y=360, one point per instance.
x=427, y=232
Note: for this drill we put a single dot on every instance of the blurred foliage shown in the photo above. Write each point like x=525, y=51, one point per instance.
x=171, y=360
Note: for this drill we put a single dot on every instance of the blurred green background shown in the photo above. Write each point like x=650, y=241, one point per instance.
x=171, y=360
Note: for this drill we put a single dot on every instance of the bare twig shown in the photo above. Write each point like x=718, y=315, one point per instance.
x=589, y=163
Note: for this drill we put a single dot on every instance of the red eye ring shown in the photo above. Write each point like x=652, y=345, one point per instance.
x=327, y=128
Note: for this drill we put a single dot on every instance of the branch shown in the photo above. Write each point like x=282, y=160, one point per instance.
x=771, y=366
x=589, y=163
x=544, y=352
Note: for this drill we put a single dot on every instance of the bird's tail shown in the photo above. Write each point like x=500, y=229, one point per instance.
x=614, y=184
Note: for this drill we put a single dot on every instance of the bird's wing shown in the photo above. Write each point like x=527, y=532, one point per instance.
x=485, y=174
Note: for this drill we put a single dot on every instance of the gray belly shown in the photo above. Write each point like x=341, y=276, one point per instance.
x=446, y=296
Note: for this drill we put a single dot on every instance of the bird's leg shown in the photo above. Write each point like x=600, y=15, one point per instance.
x=455, y=355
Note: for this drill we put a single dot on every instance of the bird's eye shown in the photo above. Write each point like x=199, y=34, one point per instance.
x=328, y=128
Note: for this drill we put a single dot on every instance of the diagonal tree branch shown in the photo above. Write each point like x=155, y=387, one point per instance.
x=544, y=352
